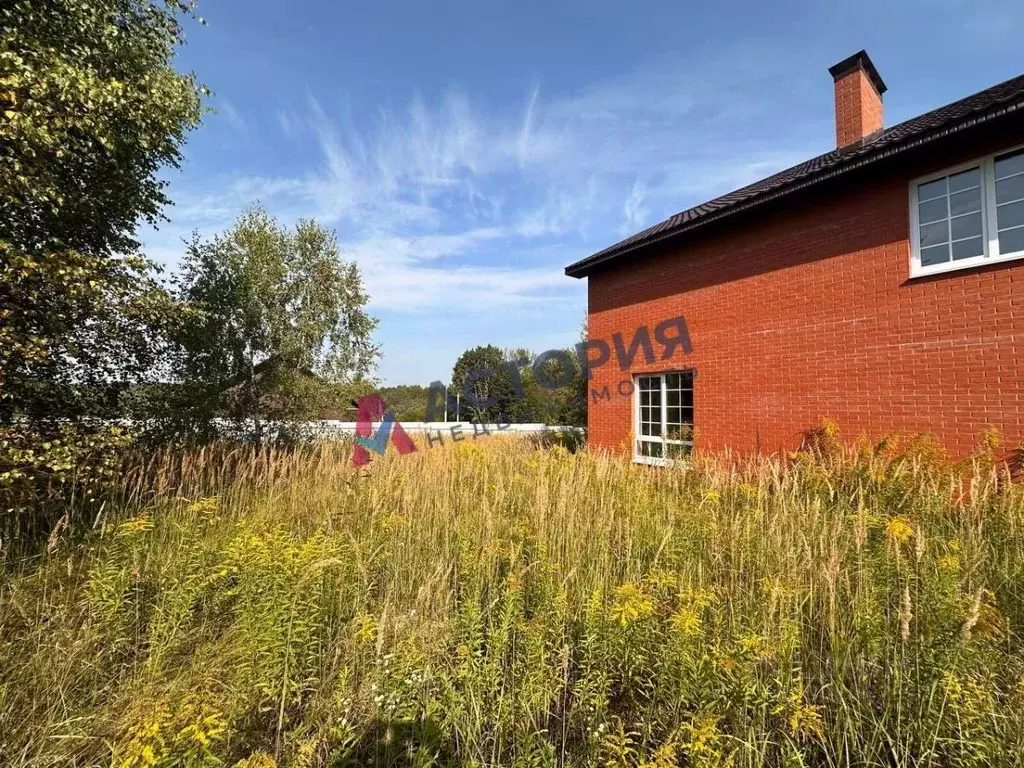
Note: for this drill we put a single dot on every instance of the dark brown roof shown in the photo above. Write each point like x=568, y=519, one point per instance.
x=982, y=107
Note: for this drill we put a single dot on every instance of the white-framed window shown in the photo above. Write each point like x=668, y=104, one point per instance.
x=662, y=417
x=968, y=216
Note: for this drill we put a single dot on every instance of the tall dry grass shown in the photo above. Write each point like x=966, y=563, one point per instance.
x=500, y=603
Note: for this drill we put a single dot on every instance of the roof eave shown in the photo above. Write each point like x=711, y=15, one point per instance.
x=584, y=267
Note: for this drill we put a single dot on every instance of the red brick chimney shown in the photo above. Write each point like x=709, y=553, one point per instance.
x=859, y=90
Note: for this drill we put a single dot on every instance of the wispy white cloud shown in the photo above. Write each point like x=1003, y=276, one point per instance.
x=231, y=114
x=634, y=209
x=467, y=207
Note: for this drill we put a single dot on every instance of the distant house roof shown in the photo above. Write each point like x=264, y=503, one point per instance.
x=982, y=107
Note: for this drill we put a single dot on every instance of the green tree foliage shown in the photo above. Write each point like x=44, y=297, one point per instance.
x=490, y=385
x=552, y=388
x=91, y=109
x=407, y=401
x=517, y=386
x=577, y=395
x=276, y=321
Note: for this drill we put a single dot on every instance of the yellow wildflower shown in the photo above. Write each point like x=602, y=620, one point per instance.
x=703, y=735
x=203, y=507
x=366, y=628
x=949, y=563
x=899, y=529
x=661, y=579
x=757, y=645
x=136, y=525
x=776, y=588
x=805, y=720
x=257, y=760
x=687, y=621
x=631, y=604
x=698, y=598
x=666, y=756
x=748, y=491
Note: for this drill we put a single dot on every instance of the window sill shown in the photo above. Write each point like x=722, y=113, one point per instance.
x=956, y=266
x=653, y=461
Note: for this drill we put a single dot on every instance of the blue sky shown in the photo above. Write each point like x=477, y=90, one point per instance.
x=466, y=152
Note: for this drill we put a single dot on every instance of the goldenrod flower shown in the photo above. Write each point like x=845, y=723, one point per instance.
x=366, y=628
x=703, y=735
x=631, y=604
x=203, y=507
x=805, y=720
x=899, y=529
x=661, y=579
x=136, y=525
x=687, y=621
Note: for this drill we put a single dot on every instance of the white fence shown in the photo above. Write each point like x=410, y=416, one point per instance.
x=465, y=428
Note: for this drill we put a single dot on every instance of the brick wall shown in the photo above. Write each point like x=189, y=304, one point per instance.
x=806, y=311
x=858, y=108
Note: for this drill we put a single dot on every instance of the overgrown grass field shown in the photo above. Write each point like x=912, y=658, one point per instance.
x=502, y=604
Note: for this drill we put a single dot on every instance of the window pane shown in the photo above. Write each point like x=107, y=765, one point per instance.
x=656, y=398
x=966, y=249
x=931, y=256
x=1011, y=241
x=933, y=234
x=674, y=417
x=673, y=398
x=686, y=417
x=1010, y=189
x=965, y=180
x=1010, y=165
x=645, y=428
x=678, y=451
x=964, y=202
x=687, y=397
x=647, y=448
x=672, y=381
x=933, y=210
x=1011, y=215
x=687, y=379
x=931, y=190
x=656, y=429
x=967, y=226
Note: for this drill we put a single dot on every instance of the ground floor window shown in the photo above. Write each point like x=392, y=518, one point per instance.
x=663, y=417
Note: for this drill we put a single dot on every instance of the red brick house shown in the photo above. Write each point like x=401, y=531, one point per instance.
x=880, y=285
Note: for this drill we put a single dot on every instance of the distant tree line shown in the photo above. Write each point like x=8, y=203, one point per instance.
x=515, y=385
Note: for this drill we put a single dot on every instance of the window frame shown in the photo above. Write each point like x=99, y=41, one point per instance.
x=989, y=220
x=663, y=460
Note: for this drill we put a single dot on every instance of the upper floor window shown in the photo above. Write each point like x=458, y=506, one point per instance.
x=968, y=216
x=1009, y=176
